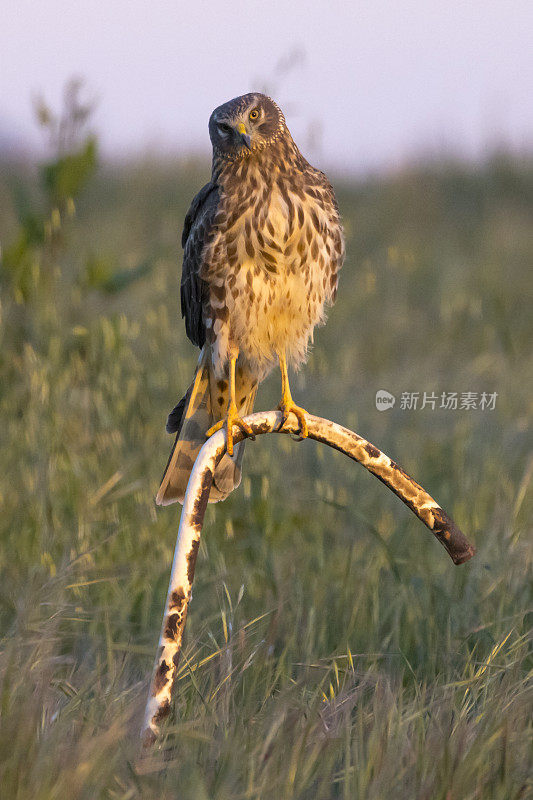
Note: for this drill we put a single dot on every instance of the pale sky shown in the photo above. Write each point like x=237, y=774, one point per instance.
x=373, y=83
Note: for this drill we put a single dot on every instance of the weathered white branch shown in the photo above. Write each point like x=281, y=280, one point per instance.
x=192, y=516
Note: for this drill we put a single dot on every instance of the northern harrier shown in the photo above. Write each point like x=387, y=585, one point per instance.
x=263, y=246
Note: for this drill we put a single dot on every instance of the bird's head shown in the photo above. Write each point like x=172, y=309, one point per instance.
x=245, y=124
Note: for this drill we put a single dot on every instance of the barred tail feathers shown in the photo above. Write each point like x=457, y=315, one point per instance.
x=204, y=404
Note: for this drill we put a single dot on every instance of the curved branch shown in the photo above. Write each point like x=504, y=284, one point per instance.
x=192, y=517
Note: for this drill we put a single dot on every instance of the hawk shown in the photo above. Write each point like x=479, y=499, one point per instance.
x=263, y=245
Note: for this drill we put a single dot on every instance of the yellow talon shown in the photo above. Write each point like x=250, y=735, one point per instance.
x=287, y=404
x=300, y=413
x=232, y=418
x=214, y=428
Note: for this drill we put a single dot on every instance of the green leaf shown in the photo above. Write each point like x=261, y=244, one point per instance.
x=66, y=176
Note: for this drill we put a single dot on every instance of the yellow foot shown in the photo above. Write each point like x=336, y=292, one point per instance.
x=232, y=418
x=288, y=407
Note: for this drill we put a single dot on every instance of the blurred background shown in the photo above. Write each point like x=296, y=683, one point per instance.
x=333, y=651
x=364, y=85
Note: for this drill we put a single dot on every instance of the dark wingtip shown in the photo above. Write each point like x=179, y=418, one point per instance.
x=176, y=415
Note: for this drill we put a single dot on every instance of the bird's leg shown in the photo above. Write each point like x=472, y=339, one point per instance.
x=232, y=415
x=287, y=404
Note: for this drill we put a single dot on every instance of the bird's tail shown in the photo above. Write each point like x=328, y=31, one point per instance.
x=204, y=404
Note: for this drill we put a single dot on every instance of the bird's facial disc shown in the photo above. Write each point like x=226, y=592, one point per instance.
x=243, y=124
x=239, y=131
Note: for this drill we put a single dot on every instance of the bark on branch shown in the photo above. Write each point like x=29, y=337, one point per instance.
x=192, y=517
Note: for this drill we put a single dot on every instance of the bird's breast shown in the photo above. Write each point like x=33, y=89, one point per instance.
x=274, y=275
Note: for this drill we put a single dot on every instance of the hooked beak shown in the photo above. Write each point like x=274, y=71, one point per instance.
x=245, y=138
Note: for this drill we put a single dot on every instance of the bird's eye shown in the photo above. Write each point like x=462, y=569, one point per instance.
x=223, y=128
x=254, y=114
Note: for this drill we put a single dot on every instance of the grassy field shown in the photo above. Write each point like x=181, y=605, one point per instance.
x=333, y=650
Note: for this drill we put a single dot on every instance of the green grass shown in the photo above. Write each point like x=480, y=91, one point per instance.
x=332, y=649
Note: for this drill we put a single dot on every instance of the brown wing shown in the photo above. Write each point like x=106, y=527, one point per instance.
x=198, y=231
